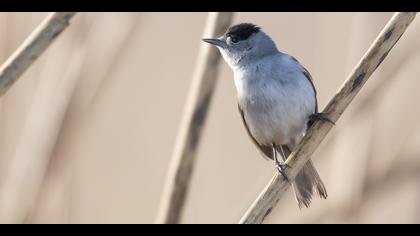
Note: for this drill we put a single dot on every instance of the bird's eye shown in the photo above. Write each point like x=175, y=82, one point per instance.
x=234, y=39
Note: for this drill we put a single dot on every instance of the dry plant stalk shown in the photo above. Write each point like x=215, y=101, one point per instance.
x=32, y=48
x=192, y=123
x=377, y=52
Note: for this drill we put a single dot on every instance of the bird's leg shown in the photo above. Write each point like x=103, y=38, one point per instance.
x=281, y=168
x=319, y=116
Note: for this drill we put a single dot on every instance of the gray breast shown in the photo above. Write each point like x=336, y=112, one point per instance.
x=276, y=104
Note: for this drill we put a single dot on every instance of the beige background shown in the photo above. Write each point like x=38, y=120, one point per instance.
x=86, y=134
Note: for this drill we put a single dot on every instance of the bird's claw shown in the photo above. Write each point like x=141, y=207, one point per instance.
x=281, y=168
x=320, y=116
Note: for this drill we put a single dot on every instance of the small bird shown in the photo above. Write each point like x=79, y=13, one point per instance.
x=276, y=99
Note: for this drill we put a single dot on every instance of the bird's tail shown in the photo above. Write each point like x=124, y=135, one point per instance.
x=306, y=183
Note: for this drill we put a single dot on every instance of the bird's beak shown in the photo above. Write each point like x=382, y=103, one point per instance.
x=216, y=42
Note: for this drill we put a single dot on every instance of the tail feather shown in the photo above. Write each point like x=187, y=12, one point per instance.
x=308, y=182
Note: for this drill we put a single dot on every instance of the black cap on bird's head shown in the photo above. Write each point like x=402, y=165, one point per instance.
x=236, y=33
x=242, y=31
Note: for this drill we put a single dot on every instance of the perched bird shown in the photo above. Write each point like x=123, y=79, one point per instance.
x=276, y=99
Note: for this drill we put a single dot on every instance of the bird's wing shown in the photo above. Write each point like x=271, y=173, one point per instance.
x=309, y=77
x=266, y=150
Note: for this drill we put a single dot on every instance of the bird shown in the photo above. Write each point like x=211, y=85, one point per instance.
x=277, y=100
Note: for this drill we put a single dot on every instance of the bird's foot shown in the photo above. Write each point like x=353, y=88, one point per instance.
x=281, y=168
x=320, y=116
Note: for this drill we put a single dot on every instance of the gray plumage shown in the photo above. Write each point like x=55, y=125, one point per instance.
x=276, y=98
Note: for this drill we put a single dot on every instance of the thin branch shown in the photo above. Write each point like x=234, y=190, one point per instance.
x=32, y=48
x=192, y=123
x=377, y=52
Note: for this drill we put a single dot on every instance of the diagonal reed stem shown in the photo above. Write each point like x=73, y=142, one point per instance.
x=39, y=40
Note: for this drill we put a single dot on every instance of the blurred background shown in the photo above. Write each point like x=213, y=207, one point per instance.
x=87, y=133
